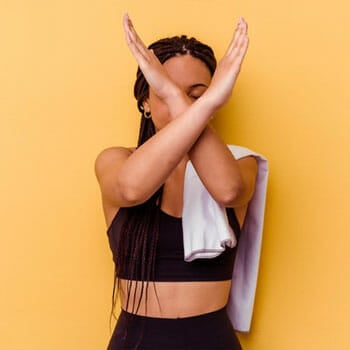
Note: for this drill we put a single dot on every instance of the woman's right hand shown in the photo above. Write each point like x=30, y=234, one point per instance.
x=152, y=69
x=226, y=73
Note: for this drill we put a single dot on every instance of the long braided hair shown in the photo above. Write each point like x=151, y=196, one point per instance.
x=137, y=239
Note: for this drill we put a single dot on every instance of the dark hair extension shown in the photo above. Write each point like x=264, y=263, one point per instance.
x=137, y=242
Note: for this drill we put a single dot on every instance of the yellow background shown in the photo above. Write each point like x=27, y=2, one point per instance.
x=66, y=94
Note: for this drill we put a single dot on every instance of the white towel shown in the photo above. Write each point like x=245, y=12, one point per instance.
x=206, y=233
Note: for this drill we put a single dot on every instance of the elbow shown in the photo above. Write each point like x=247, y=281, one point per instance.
x=232, y=196
x=130, y=197
x=130, y=194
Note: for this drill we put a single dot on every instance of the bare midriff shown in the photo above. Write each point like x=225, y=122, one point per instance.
x=177, y=299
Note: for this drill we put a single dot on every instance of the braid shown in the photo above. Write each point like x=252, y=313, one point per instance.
x=138, y=238
x=168, y=48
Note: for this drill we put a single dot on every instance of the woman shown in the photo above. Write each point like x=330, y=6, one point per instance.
x=167, y=303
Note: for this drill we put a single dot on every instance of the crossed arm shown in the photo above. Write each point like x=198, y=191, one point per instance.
x=129, y=178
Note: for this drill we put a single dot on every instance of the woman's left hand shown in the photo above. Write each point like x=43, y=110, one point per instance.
x=149, y=64
x=228, y=68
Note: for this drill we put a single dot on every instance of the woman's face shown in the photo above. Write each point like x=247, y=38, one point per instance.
x=190, y=74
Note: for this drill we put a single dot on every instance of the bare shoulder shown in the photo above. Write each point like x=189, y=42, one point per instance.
x=113, y=152
x=111, y=155
x=107, y=165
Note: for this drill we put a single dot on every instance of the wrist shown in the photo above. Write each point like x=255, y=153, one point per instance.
x=173, y=93
x=177, y=103
x=215, y=99
x=208, y=104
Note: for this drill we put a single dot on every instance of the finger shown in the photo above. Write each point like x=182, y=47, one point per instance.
x=234, y=64
x=140, y=58
x=240, y=32
x=126, y=26
x=132, y=36
x=239, y=42
x=128, y=29
x=236, y=45
x=235, y=36
x=238, y=52
x=243, y=49
x=134, y=48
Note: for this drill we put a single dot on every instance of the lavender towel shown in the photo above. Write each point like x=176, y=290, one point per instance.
x=206, y=233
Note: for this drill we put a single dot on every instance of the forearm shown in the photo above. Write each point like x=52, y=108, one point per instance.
x=213, y=161
x=216, y=166
x=147, y=168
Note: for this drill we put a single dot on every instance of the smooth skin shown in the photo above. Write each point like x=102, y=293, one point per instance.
x=182, y=100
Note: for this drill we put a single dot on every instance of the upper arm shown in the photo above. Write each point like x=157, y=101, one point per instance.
x=107, y=166
x=248, y=168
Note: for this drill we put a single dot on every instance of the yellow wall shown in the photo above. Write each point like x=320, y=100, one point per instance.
x=65, y=92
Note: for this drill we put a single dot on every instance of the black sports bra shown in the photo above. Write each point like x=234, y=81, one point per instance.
x=170, y=265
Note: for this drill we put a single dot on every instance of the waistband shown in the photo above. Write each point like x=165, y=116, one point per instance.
x=208, y=315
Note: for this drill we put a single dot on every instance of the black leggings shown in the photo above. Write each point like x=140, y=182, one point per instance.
x=207, y=331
